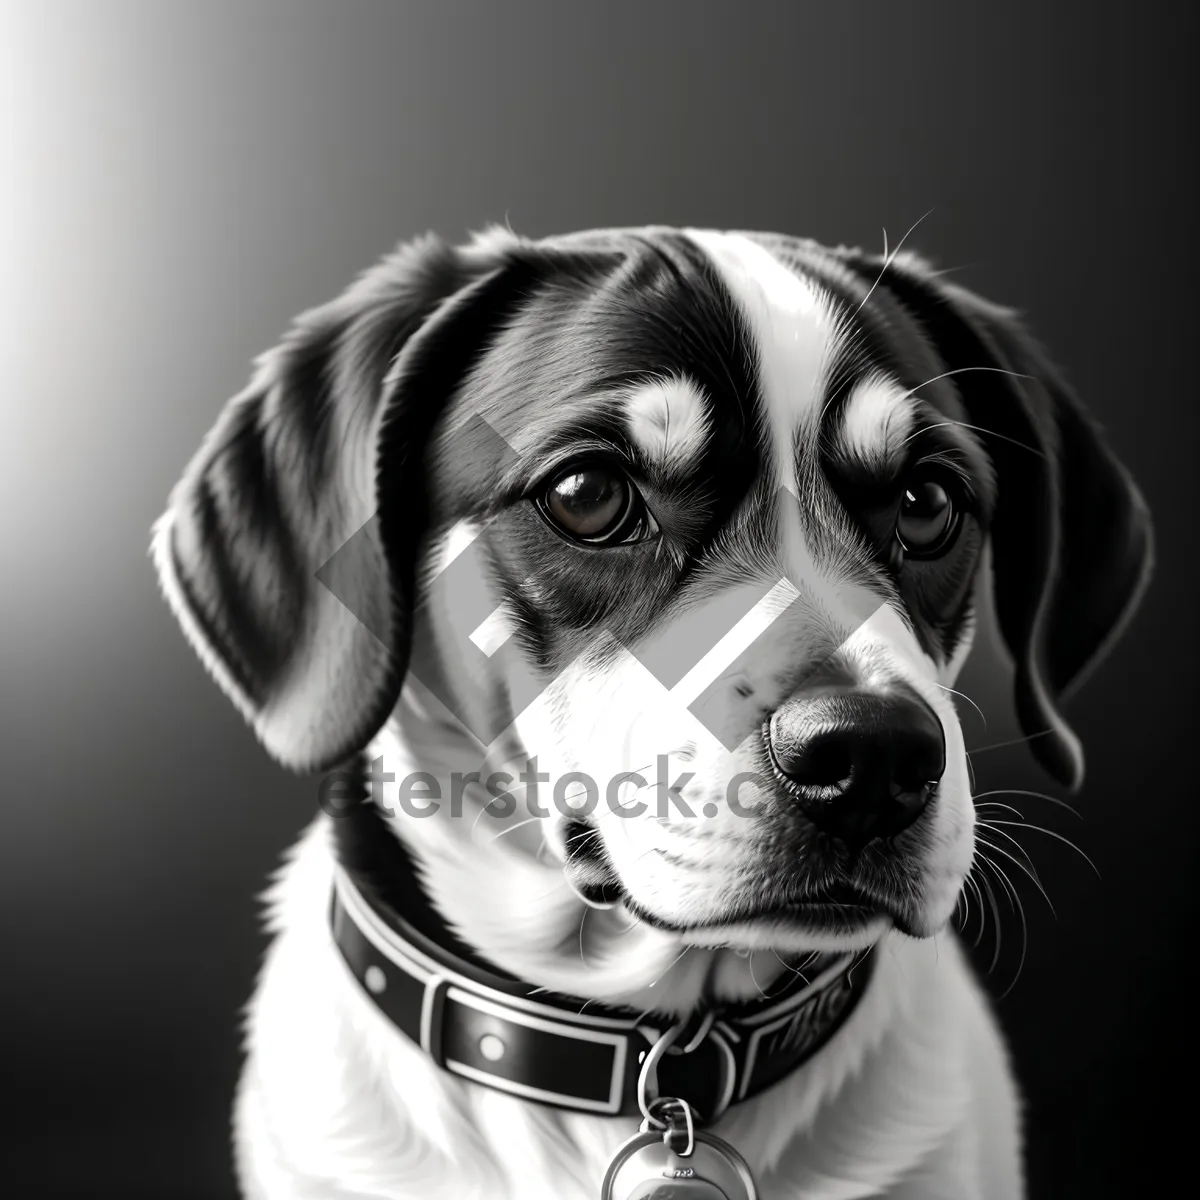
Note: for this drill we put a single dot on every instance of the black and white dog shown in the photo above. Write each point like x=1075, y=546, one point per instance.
x=626, y=576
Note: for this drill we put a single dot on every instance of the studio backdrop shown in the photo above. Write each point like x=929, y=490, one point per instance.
x=181, y=179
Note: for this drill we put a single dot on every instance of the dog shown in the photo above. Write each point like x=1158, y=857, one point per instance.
x=683, y=528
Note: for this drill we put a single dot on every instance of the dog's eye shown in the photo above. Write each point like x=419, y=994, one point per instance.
x=594, y=504
x=928, y=519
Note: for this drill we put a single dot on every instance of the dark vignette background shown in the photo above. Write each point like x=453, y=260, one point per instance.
x=187, y=177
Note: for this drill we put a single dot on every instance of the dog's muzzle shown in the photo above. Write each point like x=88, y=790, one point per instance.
x=861, y=765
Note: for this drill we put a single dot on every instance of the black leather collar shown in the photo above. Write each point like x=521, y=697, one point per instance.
x=484, y=1025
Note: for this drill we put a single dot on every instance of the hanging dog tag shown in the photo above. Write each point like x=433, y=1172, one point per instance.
x=677, y=1163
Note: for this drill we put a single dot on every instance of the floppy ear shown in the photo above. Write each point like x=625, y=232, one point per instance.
x=307, y=462
x=1071, y=534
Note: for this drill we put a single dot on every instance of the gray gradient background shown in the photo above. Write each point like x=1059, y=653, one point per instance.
x=184, y=178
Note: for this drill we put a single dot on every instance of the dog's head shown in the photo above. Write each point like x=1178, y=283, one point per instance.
x=694, y=519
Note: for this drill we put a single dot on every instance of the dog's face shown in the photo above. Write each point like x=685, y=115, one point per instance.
x=692, y=519
x=716, y=450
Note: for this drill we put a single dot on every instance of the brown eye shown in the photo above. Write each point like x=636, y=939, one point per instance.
x=593, y=504
x=928, y=518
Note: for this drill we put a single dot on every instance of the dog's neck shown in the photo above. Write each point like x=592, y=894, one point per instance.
x=501, y=890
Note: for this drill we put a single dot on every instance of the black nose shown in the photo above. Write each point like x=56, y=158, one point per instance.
x=861, y=765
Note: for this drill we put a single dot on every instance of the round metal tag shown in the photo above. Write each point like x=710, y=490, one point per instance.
x=643, y=1168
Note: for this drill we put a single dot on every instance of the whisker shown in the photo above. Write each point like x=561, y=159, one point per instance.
x=1011, y=742
x=1016, y=812
x=479, y=815
x=634, y=922
x=750, y=968
x=582, y=920
x=1032, y=873
x=510, y=828
x=966, y=424
x=967, y=698
x=580, y=843
x=1033, y=795
x=795, y=970
x=987, y=887
x=974, y=885
x=612, y=810
x=1058, y=837
x=670, y=965
x=965, y=371
x=1019, y=908
x=888, y=259
x=1001, y=876
x=964, y=905
x=953, y=270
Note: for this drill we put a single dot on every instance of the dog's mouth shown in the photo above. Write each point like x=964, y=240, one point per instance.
x=838, y=907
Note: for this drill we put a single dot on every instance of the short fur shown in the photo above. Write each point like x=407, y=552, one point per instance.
x=370, y=502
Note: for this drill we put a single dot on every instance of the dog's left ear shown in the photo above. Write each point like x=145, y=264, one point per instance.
x=287, y=552
x=1071, y=536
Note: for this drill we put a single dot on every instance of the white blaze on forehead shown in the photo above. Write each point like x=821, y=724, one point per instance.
x=793, y=333
x=876, y=422
x=668, y=420
x=793, y=330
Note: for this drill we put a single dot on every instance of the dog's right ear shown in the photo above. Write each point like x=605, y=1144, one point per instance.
x=280, y=511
